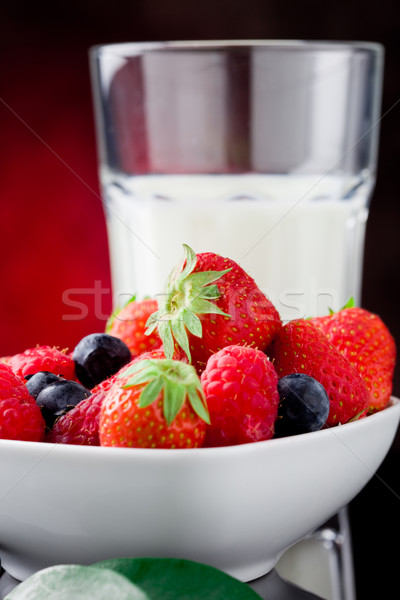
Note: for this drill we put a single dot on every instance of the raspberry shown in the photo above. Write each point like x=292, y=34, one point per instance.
x=79, y=426
x=20, y=417
x=43, y=358
x=240, y=384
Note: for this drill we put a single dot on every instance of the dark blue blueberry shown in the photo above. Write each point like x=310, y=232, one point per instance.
x=303, y=405
x=98, y=356
x=38, y=381
x=58, y=398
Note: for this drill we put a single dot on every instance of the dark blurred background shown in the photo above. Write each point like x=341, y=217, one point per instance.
x=53, y=235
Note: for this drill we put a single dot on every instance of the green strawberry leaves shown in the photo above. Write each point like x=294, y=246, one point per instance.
x=187, y=294
x=133, y=579
x=176, y=380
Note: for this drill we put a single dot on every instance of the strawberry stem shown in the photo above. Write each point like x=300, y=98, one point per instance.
x=177, y=381
x=187, y=294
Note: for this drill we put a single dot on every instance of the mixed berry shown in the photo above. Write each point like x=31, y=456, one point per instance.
x=208, y=364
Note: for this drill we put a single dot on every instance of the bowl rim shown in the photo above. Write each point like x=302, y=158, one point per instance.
x=392, y=408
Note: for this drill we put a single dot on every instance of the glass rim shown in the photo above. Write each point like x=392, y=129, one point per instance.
x=129, y=49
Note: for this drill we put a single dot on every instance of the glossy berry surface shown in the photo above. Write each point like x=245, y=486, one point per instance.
x=58, y=398
x=303, y=405
x=301, y=347
x=98, y=356
x=37, y=382
x=364, y=339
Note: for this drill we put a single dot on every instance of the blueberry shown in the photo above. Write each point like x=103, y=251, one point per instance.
x=38, y=381
x=58, y=398
x=98, y=356
x=303, y=405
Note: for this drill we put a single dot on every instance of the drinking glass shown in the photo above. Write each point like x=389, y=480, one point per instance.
x=262, y=151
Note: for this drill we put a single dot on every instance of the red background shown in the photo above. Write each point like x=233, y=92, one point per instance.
x=52, y=228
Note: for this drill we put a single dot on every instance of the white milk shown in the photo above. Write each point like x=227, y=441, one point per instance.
x=300, y=237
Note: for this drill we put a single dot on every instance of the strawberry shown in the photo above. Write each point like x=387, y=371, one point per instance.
x=43, y=358
x=240, y=385
x=300, y=347
x=80, y=426
x=210, y=302
x=129, y=325
x=20, y=417
x=154, y=403
x=364, y=339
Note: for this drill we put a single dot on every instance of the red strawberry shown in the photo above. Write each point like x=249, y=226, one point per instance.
x=20, y=417
x=240, y=385
x=81, y=424
x=43, y=358
x=129, y=325
x=155, y=403
x=366, y=342
x=210, y=302
x=301, y=347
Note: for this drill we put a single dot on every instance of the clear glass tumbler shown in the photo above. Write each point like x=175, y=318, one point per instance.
x=263, y=151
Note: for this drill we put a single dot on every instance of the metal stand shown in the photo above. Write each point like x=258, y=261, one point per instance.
x=322, y=563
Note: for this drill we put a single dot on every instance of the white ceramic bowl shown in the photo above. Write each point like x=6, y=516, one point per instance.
x=237, y=508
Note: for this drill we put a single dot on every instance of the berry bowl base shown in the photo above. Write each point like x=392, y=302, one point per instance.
x=237, y=508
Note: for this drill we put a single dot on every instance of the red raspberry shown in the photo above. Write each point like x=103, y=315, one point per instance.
x=79, y=426
x=43, y=358
x=240, y=384
x=20, y=417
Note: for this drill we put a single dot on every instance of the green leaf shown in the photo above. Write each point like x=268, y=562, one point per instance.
x=144, y=375
x=199, y=405
x=164, y=330
x=203, y=278
x=179, y=332
x=211, y=292
x=174, y=397
x=177, y=579
x=132, y=369
x=152, y=322
x=191, y=260
x=202, y=307
x=349, y=304
x=192, y=322
x=75, y=582
x=151, y=392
